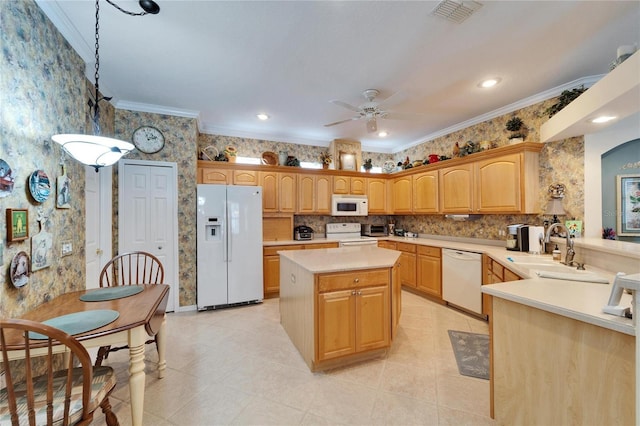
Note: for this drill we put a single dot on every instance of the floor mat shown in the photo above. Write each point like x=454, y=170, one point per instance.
x=472, y=353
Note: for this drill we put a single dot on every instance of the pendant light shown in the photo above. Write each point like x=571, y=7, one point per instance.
x=96, y=150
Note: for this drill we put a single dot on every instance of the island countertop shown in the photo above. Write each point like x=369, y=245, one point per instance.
x=342, y=259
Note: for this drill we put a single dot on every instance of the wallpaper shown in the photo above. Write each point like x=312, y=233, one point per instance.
x=180, y=147
x=42, y=92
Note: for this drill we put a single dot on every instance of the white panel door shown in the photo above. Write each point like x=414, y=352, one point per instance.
x=147, y=215
x=98, y=220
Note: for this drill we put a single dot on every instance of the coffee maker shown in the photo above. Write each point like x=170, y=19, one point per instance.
x=518, y=237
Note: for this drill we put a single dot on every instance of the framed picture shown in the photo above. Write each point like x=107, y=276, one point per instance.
x=628, y=203
x=347, y=161
x=17, y=225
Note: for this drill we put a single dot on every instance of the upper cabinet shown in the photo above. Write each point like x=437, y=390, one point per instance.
x=278, y=192
x=505, y=184
x=349, y=185
x=498, y=181
x=314, y=194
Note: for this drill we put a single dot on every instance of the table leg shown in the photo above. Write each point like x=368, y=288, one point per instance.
x=136, y=374
x=161, y=344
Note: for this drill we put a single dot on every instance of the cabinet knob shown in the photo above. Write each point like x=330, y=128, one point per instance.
x=358, y=292
x=356, y=280
x=353, y=292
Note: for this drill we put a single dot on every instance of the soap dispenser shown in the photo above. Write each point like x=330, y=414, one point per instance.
x=556, y=253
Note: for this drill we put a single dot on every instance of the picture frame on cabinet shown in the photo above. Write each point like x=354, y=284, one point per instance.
x=17, y=225
x=347, y=161
x=628, y=205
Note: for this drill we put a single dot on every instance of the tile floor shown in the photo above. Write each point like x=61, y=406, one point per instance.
x=238, y=366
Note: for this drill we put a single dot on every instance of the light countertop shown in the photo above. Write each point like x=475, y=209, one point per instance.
x=342, y=259
x=582, y=301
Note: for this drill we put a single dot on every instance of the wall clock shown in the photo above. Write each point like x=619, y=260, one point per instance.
x=148, y=139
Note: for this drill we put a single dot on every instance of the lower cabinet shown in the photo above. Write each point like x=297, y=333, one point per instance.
x=429, y=270
x=354, y=313
x=407, y=264
x=493, y=272
x=271, y=264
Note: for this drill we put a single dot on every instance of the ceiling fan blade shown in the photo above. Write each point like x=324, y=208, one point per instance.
x=372, y=125
x=402, y=116
x=342, y=121
x=394, y=99
x=345, y=105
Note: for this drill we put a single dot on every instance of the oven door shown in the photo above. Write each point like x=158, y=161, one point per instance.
x=359, y=242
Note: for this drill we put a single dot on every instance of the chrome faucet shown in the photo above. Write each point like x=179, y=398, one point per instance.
x=568, y=259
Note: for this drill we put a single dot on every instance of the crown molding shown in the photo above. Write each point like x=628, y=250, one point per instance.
x=157, y=109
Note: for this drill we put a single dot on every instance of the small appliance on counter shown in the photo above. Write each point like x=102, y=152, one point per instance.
x=518, y=237
x=374, y=230
x=399, y=232
x=302, y=232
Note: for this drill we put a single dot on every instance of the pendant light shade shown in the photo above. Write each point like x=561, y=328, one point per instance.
x=94, y=151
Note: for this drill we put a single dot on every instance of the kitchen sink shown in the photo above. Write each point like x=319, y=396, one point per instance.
x=547, y=268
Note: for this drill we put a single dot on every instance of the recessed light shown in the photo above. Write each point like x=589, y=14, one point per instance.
x=490, y=82
x=383, y=134
x=603, y=119
x=262, y=116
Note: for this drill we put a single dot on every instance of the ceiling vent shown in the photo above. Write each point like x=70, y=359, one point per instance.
x=455, y=11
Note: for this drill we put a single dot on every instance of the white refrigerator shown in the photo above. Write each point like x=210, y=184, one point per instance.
x=229, y=245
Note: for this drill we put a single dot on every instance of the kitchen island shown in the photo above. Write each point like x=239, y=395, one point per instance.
x=339, y=305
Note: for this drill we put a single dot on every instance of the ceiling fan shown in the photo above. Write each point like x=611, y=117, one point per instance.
x=371, y=111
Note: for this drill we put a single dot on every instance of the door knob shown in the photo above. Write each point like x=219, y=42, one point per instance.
x=159, y=247
x=99, y=252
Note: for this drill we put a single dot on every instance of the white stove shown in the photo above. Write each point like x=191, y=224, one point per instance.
x=348, y=234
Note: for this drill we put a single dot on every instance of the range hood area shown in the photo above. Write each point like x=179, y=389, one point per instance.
x=616, y=94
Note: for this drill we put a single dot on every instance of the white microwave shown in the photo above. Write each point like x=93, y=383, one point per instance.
x=349, y=205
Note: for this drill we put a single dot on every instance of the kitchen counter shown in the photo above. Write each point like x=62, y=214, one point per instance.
x=582, y=301
x=342, y=259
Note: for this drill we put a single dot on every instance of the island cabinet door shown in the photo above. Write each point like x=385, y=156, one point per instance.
x=336, y=324
x=372, y=318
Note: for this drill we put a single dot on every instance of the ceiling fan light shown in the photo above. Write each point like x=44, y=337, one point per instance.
x=372, y=125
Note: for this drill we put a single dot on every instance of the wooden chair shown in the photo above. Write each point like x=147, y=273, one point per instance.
x=60, y=396
x=137, y=267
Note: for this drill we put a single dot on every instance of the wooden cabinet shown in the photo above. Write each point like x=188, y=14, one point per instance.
x=504, y=184
x=314, y=194
x=407, y=264
x=349, y=185
x=215, y=176
x=271, y=267
x=387, y=244
x=377, y=194
x=401, y=190
x=425, y=192
x=493, y=272
x=456, y=189
x=245, y=177
x=429, y=270
x=278, y=192
x=354, y=313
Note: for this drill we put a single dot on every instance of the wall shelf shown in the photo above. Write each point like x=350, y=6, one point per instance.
x=616, y=94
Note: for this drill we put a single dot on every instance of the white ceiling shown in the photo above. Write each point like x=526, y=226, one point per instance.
x=226, y=61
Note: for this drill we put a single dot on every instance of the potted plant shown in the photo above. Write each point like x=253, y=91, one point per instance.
x=565, y=98
x=325, y=159
x=367, y=165
x=514, y=125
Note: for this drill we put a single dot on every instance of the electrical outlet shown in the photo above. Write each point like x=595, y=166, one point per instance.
x=67, y=248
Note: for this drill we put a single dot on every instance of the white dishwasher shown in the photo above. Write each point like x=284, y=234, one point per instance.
x=462, y=279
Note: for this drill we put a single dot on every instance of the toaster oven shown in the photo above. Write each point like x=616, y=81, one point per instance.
x=374, y=230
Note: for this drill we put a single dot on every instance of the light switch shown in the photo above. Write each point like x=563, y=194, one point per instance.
x=67, y=248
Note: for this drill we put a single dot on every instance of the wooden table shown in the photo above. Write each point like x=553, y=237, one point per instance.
x=141, y=315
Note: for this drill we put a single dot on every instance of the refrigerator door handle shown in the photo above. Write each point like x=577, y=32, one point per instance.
x=227, y=246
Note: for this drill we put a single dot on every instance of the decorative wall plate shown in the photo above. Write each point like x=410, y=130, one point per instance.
x=388, y=166
x=6, y=179
x=39, y=186
x=20, y=269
